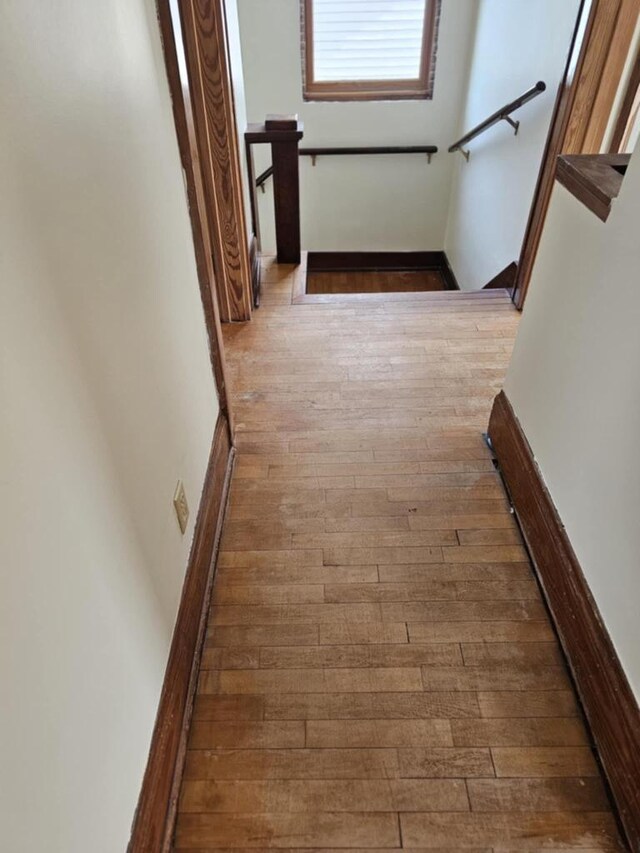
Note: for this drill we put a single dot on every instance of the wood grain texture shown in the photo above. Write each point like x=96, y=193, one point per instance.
x=173, y=49
x=624, y=120
x=156, y=811
x=608, y=700
x=611, y=75
x=377, y=641
x=373, y=282
x=205, y=40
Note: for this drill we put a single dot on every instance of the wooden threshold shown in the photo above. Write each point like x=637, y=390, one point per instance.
x=157, y=806
x=610, y=706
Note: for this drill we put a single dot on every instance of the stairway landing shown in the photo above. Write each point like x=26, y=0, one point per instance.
x=380, y=670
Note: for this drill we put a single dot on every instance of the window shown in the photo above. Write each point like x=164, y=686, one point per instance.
x=359, y=50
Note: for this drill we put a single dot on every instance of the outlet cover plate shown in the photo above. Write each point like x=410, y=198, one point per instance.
x=181, y=506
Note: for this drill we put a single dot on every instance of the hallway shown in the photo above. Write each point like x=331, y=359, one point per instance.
x=379, y=669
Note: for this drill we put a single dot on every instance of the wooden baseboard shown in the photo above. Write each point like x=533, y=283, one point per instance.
x=448, y=274
x=609, y=704
x=156, y=812
x=383, y=261
x=505, y=280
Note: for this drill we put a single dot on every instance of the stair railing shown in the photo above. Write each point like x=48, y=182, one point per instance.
x=503, y=114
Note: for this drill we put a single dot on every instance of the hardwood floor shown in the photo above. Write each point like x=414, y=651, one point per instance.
x=383, y=281
x=379, y=670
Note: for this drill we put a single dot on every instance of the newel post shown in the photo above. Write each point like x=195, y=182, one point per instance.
x=284, y=135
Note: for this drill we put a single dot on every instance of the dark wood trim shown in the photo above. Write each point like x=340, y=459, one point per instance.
x=382, y=261
x=420, y=88
x=594, y=179
x=622, y=121
x=345, y=261
x=610, y=706
x=283, y=138
x=505, y=280
x=173, y=47
x=572, y=117
x=257, y=133
x=502, y=114
x=286, y=200
x=155, y=816
x=446, y=270
x=380, y=149
x=396, y=261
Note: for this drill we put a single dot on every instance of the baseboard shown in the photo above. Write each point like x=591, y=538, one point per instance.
x=609, y=704
x=447, y=273
x=157, y=805
x=383, y=261
x=505, y=280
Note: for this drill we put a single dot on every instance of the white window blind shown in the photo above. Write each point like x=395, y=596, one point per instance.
x=360, y=40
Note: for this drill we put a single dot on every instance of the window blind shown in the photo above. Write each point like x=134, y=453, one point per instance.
x=360, y=40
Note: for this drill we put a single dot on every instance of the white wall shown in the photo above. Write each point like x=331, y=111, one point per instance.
x=359, y=203
x=516, y=44
x=574, y=383
x=106, y=400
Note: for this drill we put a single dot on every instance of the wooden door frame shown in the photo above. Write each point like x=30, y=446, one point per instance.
x=624, y=113
x=578, y=116
x=171, y=34
x=202, y=25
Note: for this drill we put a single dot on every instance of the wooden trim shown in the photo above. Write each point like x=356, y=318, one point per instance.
x=155, y=816
x=345, y=261
x=380, y=149
x=173, y=47
x=505, y=280
x=610, y=706
x=259, y=133
x=612, y=70
x=446, y=270
x=585, y=97
x=594, y=179
x=597, y=46
x=396, y=261
x=205, y=44
x=554, y=146
x=371, y=90
x=624, y=115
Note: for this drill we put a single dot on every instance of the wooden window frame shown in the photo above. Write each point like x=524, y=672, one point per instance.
x=371, y=90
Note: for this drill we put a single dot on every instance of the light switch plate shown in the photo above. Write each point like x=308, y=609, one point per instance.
x=181, y=506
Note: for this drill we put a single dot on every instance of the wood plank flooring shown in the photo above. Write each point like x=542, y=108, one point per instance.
x=375, y=281
x=379, y=669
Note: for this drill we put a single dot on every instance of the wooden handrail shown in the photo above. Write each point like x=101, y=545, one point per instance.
x=503, y=114
x=429, y=150
x=263, y=177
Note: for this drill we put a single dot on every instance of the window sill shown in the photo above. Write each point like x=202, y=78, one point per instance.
x=594, y=179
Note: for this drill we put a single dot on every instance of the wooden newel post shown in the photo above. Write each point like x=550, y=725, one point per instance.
x=284, y=134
